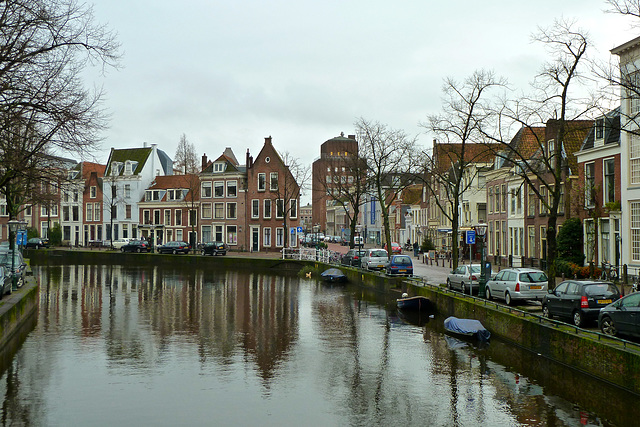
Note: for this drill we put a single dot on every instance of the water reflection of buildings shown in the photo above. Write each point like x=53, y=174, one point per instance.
x=141, y=311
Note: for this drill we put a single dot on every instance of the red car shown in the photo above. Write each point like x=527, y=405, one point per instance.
x=395, y=248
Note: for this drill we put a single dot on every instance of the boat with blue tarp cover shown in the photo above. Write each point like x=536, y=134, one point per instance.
x=467, y=328
x=334, y=275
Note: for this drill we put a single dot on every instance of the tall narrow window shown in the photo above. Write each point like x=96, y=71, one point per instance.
x=609, y=180
x=273, y=181
x=262, y=182
x=635, y=231
x=634, y=159
x=589, y=184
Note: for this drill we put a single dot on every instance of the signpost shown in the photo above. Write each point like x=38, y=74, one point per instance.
x=471, y=240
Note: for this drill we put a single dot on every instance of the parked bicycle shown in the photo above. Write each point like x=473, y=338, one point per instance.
x=635, y=283
x=609, y=272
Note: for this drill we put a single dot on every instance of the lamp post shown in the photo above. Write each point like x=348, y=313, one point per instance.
x=481, y=231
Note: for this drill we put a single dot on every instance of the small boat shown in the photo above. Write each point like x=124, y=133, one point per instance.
x=466, y=328
x=413, y=303
x=333, y=275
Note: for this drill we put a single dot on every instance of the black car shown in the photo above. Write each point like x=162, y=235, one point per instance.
x=214, y=248
x=621, y=317
x=136, y=246
x=5, y=281
x=353, y=257
x=175, y=247
x=579, y=300
x=16, y=266
x=36, y=243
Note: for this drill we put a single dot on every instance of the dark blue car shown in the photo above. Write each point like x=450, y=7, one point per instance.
x=400, y=265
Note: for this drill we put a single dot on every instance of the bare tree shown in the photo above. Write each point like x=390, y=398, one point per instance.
x=625, y=7
x=190, y=186
x=112, y=199
x=288, y=189
x=186, y=160
x=391, y=160
x=347, y=187
x=555, y=105
x=447, y=169
x=44, y=47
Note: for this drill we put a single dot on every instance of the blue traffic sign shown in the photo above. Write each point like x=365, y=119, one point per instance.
x=471, y=237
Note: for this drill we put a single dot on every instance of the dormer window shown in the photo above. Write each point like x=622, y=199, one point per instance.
x=218, y=167
x=73, y=174
x=115, y=168
x=599, y=128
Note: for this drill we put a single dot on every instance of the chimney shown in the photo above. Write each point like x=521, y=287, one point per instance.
x=352, y=137
x=247, y=159
x=204, y=161
x=267, y=139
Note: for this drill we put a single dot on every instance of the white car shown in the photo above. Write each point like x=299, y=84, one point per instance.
x=518, y=284
x=118, y=243
x=375, y=259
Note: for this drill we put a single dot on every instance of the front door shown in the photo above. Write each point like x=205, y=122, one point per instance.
x=255, y=239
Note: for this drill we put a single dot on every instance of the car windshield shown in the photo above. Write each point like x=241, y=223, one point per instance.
x=403, y=260
x=379, y=253
x=533, y=277
x=605, y=289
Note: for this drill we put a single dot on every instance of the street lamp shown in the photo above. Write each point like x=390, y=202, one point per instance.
x=481, y=231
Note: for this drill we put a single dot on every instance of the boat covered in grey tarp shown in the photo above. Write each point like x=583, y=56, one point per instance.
x=469, y=328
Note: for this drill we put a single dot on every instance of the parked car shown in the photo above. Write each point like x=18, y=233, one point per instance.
x=395, y=248
x=174, y=247
x=136, y=246
x=36, y=243
x=352, y=257
x=465, y=278
x=5, y=281
x=214, y=248
x=400, y=265
x=579, y=300
x=518, y=284
x=374, y=259
x=621, y=317
x=118, y=243
x=16, y=267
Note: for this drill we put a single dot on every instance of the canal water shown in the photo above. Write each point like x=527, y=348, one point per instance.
x=121, y=346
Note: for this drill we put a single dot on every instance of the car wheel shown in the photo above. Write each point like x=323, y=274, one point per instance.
x=546, y=313
x=448, y=284
x=138, y=250
x=507, y=298
x=607, y=326
x=463, y=288
x=488, y=293
x=121, y=249
x=203, y=252
x=577, y=318
x=175, y=251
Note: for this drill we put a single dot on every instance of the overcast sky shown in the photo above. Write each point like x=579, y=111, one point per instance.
x=229, y=73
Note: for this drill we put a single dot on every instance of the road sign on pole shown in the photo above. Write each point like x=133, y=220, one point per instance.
x=471, y=237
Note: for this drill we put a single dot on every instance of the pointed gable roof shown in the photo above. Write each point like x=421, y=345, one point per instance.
x=447, y=154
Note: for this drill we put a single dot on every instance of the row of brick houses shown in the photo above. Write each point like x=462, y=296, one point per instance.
x=137, y=195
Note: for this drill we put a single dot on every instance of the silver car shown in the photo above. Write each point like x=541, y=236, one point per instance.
x=518, y=284
x=465, y=278
x=375, y=259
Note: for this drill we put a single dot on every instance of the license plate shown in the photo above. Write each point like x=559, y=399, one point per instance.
x=402, y=271
x=380, y=266
x=604, y=301
x=535, y=287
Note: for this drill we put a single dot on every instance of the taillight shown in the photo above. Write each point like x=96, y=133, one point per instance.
x=474, y=277
x=517, y=286
x=355, y=257
x=584, y=302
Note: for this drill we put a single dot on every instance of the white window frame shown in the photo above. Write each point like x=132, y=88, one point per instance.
x=255, y=209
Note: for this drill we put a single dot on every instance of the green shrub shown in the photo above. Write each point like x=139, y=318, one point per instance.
x=570, y=238
x=55, y=235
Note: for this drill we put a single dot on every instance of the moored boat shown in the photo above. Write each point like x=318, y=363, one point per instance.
x=466, y=328
x=413, y=303
x=333, y=275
